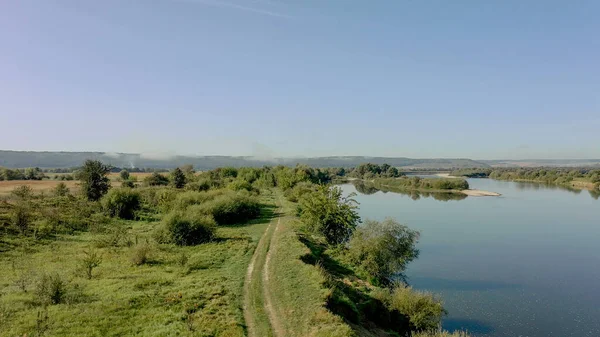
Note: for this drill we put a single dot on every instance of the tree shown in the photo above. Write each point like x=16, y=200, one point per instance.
x=33, y=173
x=327, y=212
x=94, y=179
x=124, y=174
x=178, y=178
x=383, y=249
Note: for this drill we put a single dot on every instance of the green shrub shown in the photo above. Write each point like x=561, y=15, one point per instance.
x=22, y=192
x=239, y=185
x=186, y=228
x=157, y=198
x=51, y=289
x=122, y=203
x=90, y=261
x=156, y=179
x=423, y=309
x=141, y=254
x=61, y=190
x=383, y=249
x=124, y=175
x=21, y=217
x=198, y=186
x=188, y=198
x=294, y=194
x=230, y=208
x=127, y=184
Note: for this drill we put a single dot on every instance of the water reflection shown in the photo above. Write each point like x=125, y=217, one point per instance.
x=595, y=194
x=536, y=186
x=368, y=189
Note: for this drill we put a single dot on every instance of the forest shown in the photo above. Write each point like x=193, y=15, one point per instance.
x=191, y=253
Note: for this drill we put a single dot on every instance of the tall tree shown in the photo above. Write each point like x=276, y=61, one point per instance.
x=178, y=178
x=94, y=179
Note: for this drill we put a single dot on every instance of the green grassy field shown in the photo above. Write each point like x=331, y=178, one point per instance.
x=180, y=291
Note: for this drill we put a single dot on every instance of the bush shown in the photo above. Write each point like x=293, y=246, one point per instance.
x=383, y=249
x=21, y=217
x=141, y=254
x=239, y=185
x=127, y=184
x=51, y=289
x=124, y=175
x=156, y=179
x=90, y=261
x=122, y=203
x=158, y=198
x=230, y=208
x=186, y=228
x=22, y=192
x=198, y=186
x=424, y=311
x=299, y=190
x=188, y=198
x=61, y=190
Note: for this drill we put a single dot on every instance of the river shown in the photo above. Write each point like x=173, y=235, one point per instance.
x=523, y=264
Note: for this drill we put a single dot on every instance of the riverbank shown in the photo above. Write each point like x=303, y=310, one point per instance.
x=480, y=193
x=381, y=184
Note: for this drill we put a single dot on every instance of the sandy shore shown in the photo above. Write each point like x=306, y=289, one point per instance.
x=479, y=193
x=445, y=175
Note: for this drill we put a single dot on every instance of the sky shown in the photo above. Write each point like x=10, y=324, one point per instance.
x=507, y=79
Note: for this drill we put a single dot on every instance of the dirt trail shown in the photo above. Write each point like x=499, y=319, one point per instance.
x=258, y=271
x=275, y=322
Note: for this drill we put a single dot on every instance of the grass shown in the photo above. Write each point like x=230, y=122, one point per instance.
x=38, y=186
x=167, y=295
x=256, y=316
x=298, y=292
x=46, y=185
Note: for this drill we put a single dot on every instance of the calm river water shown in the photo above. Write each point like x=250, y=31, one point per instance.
x=523, y=264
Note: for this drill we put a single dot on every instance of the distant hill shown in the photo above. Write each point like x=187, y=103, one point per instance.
x=20, y=159
x=542, y=162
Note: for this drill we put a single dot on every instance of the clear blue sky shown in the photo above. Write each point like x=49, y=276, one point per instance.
x=478, y=79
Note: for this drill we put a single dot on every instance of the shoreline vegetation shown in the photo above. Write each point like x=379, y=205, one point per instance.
x=429, y=186
x=226, y=252
x=578, y=178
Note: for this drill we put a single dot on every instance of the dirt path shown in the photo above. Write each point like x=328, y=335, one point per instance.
x=259, y=314
x=275, y=323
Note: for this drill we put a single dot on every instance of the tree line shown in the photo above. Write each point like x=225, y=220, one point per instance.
x=559, y=176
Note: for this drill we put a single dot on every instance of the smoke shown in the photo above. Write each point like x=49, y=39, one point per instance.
x=261, y=152
x=112, y=155
x=157, y=155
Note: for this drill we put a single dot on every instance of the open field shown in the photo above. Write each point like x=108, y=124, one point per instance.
x=38, y=186
x=179, y=291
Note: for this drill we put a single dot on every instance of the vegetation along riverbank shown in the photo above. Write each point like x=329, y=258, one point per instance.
x=581, y=178
x=272, y=251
